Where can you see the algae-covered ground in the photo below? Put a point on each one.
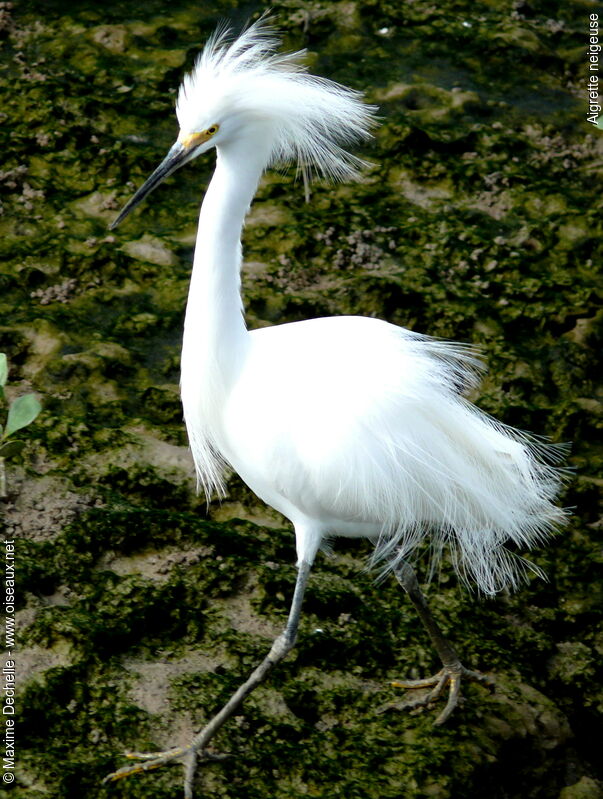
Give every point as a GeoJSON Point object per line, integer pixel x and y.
{"type": "Point", "coordinates": [479, 219]}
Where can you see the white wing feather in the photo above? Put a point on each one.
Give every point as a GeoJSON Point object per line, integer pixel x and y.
{"type": "Point", "coordinates": [388, 444]}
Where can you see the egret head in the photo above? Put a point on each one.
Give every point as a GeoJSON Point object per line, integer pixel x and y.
{"type": "Point", "coordinates": [242, 90]}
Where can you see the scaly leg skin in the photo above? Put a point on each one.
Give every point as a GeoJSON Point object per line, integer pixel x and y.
{"type": "Point", "coordinates": [453, 670]}
{"type": "Point", "coordinates": [196, 752]}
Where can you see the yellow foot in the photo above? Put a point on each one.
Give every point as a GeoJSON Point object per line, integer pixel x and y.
{"type": "Point", "coordinates": [151, 760]}
{"type": "Point", "coordinates": [447, 677]}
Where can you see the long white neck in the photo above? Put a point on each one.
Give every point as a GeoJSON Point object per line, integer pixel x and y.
{"type": "Point", "coordinates": [216, 340]}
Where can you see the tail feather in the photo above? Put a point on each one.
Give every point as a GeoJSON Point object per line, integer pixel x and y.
{"type": "Point", "coordinates": [488, 500]}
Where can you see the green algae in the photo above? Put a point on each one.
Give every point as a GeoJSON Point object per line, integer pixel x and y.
{"type": "Point", "coordinates": [478, 219]}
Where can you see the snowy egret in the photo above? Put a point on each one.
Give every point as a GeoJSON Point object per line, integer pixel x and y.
{"type": "Point", "coordinates": [349, 426]}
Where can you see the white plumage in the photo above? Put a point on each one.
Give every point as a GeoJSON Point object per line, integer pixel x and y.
{"type": "Point", "coordinates": [351, 426]}
{"type": "Point", "coordinates": [348, 425]}
{"type": "Point", "coordinates": [306, 119]}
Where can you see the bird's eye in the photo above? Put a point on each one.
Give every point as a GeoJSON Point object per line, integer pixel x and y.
{"type": "Point", "coordinates": [212, 130]}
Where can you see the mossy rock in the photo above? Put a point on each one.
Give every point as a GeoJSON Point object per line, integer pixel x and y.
{"type": "Point", "coordinates": [478, 219]}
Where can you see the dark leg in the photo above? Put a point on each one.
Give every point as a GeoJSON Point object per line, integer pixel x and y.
{"type": "Point", "coordinates": [452, 671]}
{"type": "Point", "coordinates": [195, 750]}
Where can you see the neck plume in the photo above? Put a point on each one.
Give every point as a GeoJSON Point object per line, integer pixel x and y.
{"type": "Point", "coordinates": [216, 340]}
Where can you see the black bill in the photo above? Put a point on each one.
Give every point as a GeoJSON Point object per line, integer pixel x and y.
{"type": "Point", "coordinates": [177, 156]}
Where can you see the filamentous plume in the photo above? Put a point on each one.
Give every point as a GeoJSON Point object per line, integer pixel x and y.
{"type": "Point", "coordinates": [349, 426]}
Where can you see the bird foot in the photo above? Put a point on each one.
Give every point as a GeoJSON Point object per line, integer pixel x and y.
{"type": "Point", "coordinates": [191, 756]}
{"type": "Point", "coordinates": [448, 677]}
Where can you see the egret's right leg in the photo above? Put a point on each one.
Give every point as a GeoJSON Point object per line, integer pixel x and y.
{"type": "Point", "coordinates": [196, 749]}
{"type": "Point", "coordinates": [452, 670]}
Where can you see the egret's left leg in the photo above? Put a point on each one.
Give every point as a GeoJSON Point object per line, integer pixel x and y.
{"type": "Point", "coordinates": [452, 670]}
{"type": "Point", "coordinates": [196, 749]}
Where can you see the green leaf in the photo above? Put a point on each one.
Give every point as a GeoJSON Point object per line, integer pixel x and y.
{"type": "Point", "coordinates": [3, 369]}
{"type": "Point", "coordinates": [21, 413]}
{"type": "Point", "coordinates": [11, 448]}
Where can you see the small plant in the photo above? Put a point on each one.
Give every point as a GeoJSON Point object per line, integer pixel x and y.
{"type": "Point", "coordinates": [21, 412]}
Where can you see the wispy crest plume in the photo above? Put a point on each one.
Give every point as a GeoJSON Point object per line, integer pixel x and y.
{"type": "Point", "coordinates": [311, 119]}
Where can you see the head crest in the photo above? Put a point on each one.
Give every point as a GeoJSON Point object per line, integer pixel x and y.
{"type": "Point", "coordinates": [311, 120]}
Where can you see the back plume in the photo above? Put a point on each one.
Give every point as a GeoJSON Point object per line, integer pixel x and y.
{"type": "Point", "coordinates": [311, 120]}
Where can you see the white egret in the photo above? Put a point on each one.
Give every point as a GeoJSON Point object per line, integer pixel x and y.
{"type": "Point", "coordinates": [349, 426]}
